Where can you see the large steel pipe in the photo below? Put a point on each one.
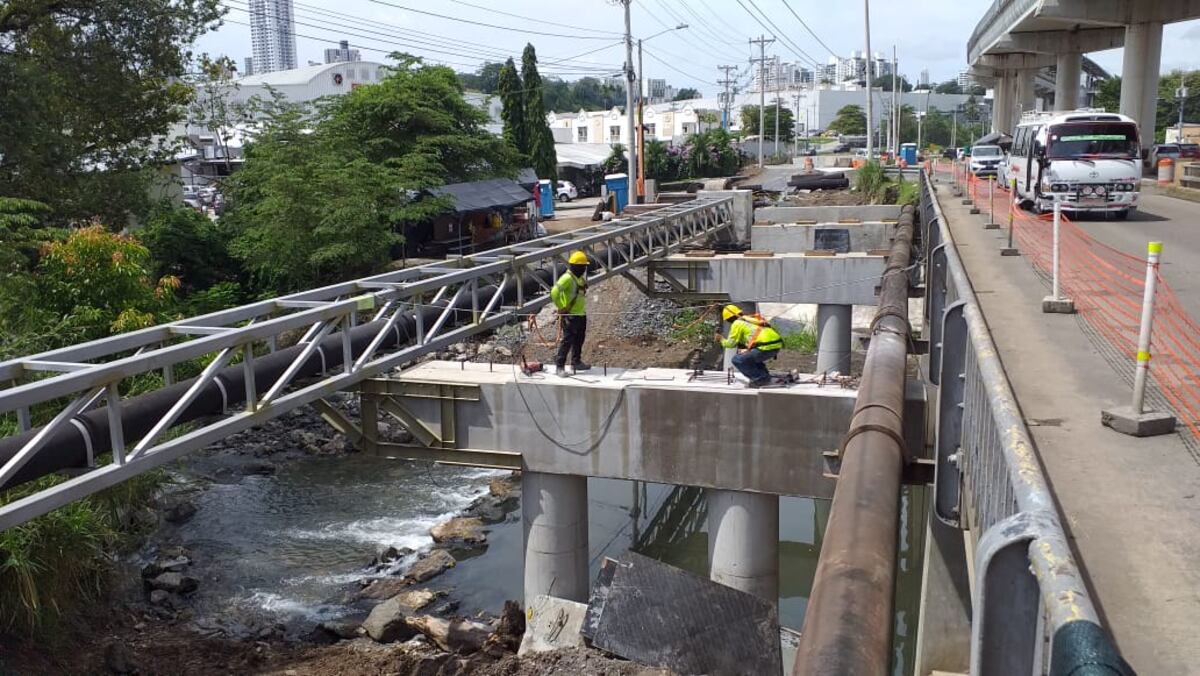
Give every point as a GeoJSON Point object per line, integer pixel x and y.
{"type": "Point", "coordinates": [848, 624]}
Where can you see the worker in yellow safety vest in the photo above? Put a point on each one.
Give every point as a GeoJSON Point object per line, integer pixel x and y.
{"type": "Point", "coordinates": [757, 343]}
{"type": "Point", "coordinates": [570, 297]}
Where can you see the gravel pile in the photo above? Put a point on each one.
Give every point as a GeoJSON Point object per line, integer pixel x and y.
{"type": "Point", "coordinates": [647, 317]}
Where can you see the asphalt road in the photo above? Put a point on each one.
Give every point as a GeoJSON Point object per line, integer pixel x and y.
{"type": "Point", "coordinates": [1175, 223]}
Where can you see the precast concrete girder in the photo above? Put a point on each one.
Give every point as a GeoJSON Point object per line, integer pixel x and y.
{"type": "Point", "coordinates": [826, 215]}
{"type": "Point", "coordinates": [802, 237]}
{"type": "Point", "coordinates": [843, 279]}
{"type": "Point", "coordinates": [658, 425]}
{"type": "Point", "coordinates": [1061, 41]}
{"type": "Point", "coordinates": [1117, 12]}
{"type": "Point", "coordinates": [1016, 61]}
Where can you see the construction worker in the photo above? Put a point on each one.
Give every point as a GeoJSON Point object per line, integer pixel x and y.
{"type": "Point", "coordinates": [756, 341]}
{"type": "Point", "coordinates": [570, 297]}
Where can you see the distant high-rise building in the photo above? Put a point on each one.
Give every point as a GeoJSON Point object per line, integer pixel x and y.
{"type": "Point", "coordinates": [272, 35]}
{"type": "Point", "coordinates": [249, 69]}
{"type": "Point", "coordinates": [923, 79]}
{"type": "Point", "coordinates": [656, 90]}
{"type": "Point", "coordinates": [342, 53]}
{"type": "Point", "coordinates": [965, 79]}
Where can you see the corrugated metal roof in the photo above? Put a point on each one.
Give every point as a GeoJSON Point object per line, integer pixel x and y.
{"type": "Point", "coordinates": [484, 195]}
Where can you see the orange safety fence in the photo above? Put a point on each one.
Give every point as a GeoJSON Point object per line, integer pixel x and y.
{"type": "Point", "coordinates": [1107, 286]}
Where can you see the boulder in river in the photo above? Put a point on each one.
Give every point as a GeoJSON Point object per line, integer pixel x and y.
{"type": "Point", "coordinates": [456, 636]}
{"type": "Point", "coordinates": [177, 583]}
{"type": "Point", "coordinates": [387, 621]}
{"type": "Point", "coordinates": [505, 487]}
{"type": "Point", "coordinates": [460, 529]}
{"type": "Point", "coordinates": [179, 511]}
{"type": "Point", "coordinates": [433, 564]}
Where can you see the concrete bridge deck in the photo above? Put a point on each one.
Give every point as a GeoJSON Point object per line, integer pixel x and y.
{"type": "Point", "coordinates": [1131, 506]}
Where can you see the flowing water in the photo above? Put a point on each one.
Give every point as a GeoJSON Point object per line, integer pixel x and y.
{"type": "Point", "coordinates": [289, 548]}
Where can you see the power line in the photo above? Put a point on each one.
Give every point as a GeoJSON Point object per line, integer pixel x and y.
{"type": "Point", "coordinates": [664, 24]}
{"type": "Point", "coordinates": [681, 72]}
{"type": "Point", "coordinates": [767, 26]}
{"type": "Point", "coordinates": [810, 31]}
{"type": "Point", "coordinates": [488, 25]}
{"type": "Point", "coordinates": [538, 19]}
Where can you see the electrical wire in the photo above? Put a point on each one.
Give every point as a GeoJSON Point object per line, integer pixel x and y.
{"type": "Point", "coordinates": [767, 26]}
{"type": "Point", "coordinates": [677, 70]}
{"type": "Point", "coordinates": [810, 31]}
{"type": "Point", "coordinates": [675, 33]}
{"type": "Point", "coordinates": [539, 20]}
{"type": "Point", "coordinates": [489, 25]}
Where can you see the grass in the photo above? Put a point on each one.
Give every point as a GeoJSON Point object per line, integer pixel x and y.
{"type": "Point", "coordinates": [803, 341]}
{"type": "Point", "coordinates": [693, 325]}
{"type": "Point", "coordinates": [872, 182]}
{"type": "Point", "coordinates": [58, 562]}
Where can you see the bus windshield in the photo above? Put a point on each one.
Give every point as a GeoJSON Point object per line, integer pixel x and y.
{"type": "Point", "coordinates": [1089, 140]}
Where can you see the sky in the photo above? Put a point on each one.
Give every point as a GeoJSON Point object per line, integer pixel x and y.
{"type": "Point", "coordinates": [577, 38]}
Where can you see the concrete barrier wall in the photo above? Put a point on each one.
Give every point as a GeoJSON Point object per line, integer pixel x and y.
{"type": "Point", "coordinates": [828, 215]}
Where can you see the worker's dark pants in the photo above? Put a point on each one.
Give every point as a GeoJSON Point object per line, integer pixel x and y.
{"type": "Point", "coordinates": [753, 363]}
{"type": "Point", "coordinates": [574, 330]}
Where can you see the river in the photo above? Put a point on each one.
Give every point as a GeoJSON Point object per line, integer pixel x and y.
{"type": "Point", "coordinates": [290, 547]}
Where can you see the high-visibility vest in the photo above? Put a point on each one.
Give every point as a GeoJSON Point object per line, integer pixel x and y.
{"type": "Point", "coordinates": [762, 335]}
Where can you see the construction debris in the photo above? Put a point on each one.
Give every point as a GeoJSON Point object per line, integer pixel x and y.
{"type": "Point", "coordinates": [552, 624]}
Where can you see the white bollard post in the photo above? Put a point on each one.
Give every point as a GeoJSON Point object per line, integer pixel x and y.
{"type": "Point", "coordinates": [1136, 420]}
{"type": "Point", "coordinates": [1055, 303]}
{"type": "Point", "coordinates": [1154, 251]}
{"type": "Point", "coordinates": [991, 222]}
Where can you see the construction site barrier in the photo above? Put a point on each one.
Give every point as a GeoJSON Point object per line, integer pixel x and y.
{"type": "Point", "coordinates": [1027, 591]}
{"type": "Point", "coordinates": [1107, 286]}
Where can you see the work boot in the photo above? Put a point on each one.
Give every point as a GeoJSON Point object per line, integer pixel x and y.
{"type": "Point", "coordinates": [762, 382]}
{"type": "Point", "coordinates": [561, 371]}
{"type": "Point", "coordinates": [581, 367]}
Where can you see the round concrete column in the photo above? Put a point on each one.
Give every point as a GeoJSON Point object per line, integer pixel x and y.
{"type": "Point", "coordinates": [1066, 81]}
{"type": "Point", "coordinates": [1002, 104]}
{"type": "Point", "coordinates": [743, 541]}
{"type": "Point", "coordinates": [833, 338]}
{"type": "Point", "coordinates": [1026, 96]}
{"type": "Point", "coordinates": [554, 510]}
{"type": "Point", "coordinates": [1139, 75]}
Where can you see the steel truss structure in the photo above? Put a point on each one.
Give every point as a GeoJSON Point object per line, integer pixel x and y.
{"type": "Point", "coordinates": [352, 331]}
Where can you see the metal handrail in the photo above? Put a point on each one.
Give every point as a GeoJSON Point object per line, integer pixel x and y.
{"type": "Point", "coordinates": [990, 480]}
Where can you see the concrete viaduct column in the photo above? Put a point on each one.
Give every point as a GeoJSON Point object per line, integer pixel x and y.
{"type": "Point", "coordinates": [743, 541]}
{"type": "Point", "coordinates": [833, 338]}
{"type": "Point", "coordinates": [1139, 75]}
{"type": "Point", "coordinates": [1002, 104]}
{"type": "Point", "coordinates": [1026, 96]}
{"type": "Point", "coordinates": [554, 510]}
{"type": "Point", "coordinates": [1066, 82]}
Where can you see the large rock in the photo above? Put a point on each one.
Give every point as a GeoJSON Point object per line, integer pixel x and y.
{"type": "Point", "coordinates": [177, 583]}
{"type": "Point", "coordinates": [457, 636]}
{"type": "Point", "coordinates": [460, 529]}
{"type": "Point", "coordinates": [432, 565]}
{"type": "Point", "coordinates": [507, 637]}
{"type": "Point", "coordinates": [342, 629]}
{"type": "Point", "coordinates": [179, 511]}
{"type": "Point", "coordinates": [386, 623]}
{"type": "Point", "coordinates": [505, 487]}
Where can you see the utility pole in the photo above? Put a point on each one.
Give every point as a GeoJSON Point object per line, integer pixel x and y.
{"type": "Point", "coordinates": [894, 118]}
{"type": "Point", "coordinates": [1181, 94]}
{"type": "Point", "coordinates": [641, 131]}
{"type": "Point", "coordinates": [795, 134]}
{"type": "Point", "coordinates": [870, 103]}
{"type": "Point", "coordinates": [954, 130]}
{"type": "Point", "coordinates": [775, 68]}
{"type": "Point", "coordinates": [630, 80]}
{"type": "Point", "coordinates": [762, 43]}
{"type": "Point", "coordinates": [727, 101]}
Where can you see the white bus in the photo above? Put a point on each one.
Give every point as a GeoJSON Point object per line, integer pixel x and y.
{"type": "Point", "coordinates": [1087, 159]}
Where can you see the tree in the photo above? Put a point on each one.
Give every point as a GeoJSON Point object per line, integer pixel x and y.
{"type": "Point", "coordinates": [187, 244]}
{"type": "Point", "coordinates": [616, 162]}
{"type": "Point", "coordinates": [1108, 94]}
{"type": "Point", "coordinates": [850, 120]}
{"type": "Point", "coordinates": [687, 93]}
{"type": "Point", "coordinates": [86, 87]}
{"type": "Point", "coordinates": [213, 108]}
{"type": "Point", "coordinates": [486, 79]}
{"type": "Point", "coordinates": [885, 83]}
{"type": "Point", "coordinates": [710, 153]}
{"type": "Point", "coordinates": [948, 87]}
{"type": "Point", "coordinates": [328, 186]}
{"type": "Point", "coordinates": [787, 125]}
{"type": "Point", "coordinates": [512, 108]}
{"type": "Point", "coordinates": [541, 139]}
{"type": "Point", "coordinates": [1168, 104]}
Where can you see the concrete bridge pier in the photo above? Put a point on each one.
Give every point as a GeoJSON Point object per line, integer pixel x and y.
{"type": "Point", "coordinates": [1066, 81]}
{"type": "Point", "coordinates": [1002, 104]}
{"type": "Point", "coordinates": [1026, 95]}
{"type": "Point", "coordinates": [554, 510]}
{"type": "Point", "coordinates": [1139, 75]}
{"type": "Point", "coordinates": [743, 541]}
{"type": "Point", "coordinates": [833, 338]}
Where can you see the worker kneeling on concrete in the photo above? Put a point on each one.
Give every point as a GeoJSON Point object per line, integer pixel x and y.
{"type": "Point", "coordinates": [570, 297]}
{"type": "Point", "coordinates": [757, 343]}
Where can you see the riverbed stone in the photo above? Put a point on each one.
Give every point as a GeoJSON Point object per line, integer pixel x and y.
{"type": "Point", "coordinates": [160, 597]}
{"type": "Point", "coordinates": [175, 582]}
{"type": "Point", "coordinates": [381, 589]}
{"type": "Point", "coordinates": [433, 564]}
{"type": "Point", "coordinates": [505, 487]}
{"type": "Point", "coordinates": [258, 468]}
{"type": "Point", "coordinates": [386, 623]}
{"type": "Point", "coordinates": [456, 636]}
{"type": "Point", "coordinates": [460, 529]}
{"type": "Point", "coordinates": [179, 511]}
{"type": "Point", "coordinates": [343, 629]}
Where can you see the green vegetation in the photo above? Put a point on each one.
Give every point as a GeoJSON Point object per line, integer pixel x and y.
{"type": "Point", "coordinates": [803, 341]}
{"type": "Point", "coordinates": [687, 93]}
{"type": "Point", "coordinates": [787, 125]}
{"type": "Point", "coordinates": [1108, 96]}
{"type": "Point", "coordinates": [873, 183]}
{"type": "Point", "coordinates": [693, 325]}
{"type": "Point", "coordinates": [849, 120]}
{"type": "Point", "coordinates": [523, 111]}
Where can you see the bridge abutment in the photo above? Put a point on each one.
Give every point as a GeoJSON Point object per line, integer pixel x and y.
{"type": "Point", "coordinates": [554, 511]}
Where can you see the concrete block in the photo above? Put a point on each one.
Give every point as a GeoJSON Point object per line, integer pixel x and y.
{"type": "Point", "coordinates": [991, 226]}
{"type": "Point", "coordinates": [552, 624]}
{"type": "Point", "coordinates": [1006, 251]}
{"type": "Point", "coordinates": [1146, 424]}
{"type": "Point", "coordinates": [1062, 306]}
{"type": "Point", "coordinates": [743, 209]}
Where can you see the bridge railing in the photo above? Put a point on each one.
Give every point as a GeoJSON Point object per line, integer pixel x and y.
{"type": "Point", "coordinates": [1028, 590]}
{"type": "Point", "coordinates": [250, 367]}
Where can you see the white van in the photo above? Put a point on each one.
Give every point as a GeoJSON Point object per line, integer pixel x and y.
{"type": "Point", "coordinates": [1087, 159]}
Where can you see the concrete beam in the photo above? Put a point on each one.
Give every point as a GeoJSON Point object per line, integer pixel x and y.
{"type": "Point", "coordinates": [1016, 61]}
{"type": "Point", "coordinates": [651, 425]}
{"type": "Point", "coordinates": [1117, 12]}
{"type": "Point", "coordinates": [826, 215]}
{"type": "Point", "coordinates": [844, 279]}
{"type": "Point", "coordinates": [798, 238]}
{"type": "Point", "coordinates": [1062, 41]}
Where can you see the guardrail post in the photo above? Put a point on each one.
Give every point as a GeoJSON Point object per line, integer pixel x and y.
{"type": "Point", "coordinates": [1135, 420]}
{"type": "Point", "coordinates": [1055, 303]}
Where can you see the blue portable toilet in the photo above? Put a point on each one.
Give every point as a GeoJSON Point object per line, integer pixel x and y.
{"type": "Point", "coordinates": [908, 153]}
{"type": "Point", "coordinates": [547, 198]}
{"type": "Point", "coordinates": [618, 184]}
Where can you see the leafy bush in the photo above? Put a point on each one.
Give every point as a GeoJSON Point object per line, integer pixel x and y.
{"type": "Point", "coordinates": [803, 341]}
{"type": "Point", "coordinates": [187, 244]}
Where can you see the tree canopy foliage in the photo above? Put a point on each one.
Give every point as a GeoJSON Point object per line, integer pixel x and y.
{"type": "Point", "coordinates": [687, 93]}
{"type": "Point", "coordinates": [541, 139]}
{"type": "Point", "coordinates": [787, 125]}
{"type": "Point", "coordinates": [84, 87]}
{"type": "Point", "coordinates": [850, 120]}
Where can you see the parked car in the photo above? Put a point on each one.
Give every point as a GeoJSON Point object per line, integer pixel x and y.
{"type": "Point", "coordinates": [566, 191]}
{"type": "Point", "coordinates": [1162, 151]}
{"type": "Point", "coordinates": [841, 148]}
{"type": "Point", "coordinates": [950, 153]}
{"type": "Point", "coordinates": [1189, 151]}
{"type": "Point", "coordinates": [985, 160]}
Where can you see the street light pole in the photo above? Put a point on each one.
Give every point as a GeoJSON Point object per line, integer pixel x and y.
{"type": "Point", "coordinates": [630, 78]}
{"type": "Point", "coordinates": [870, 106]}
{"type": "Point", "coordinates": [762, 43]}
{"type": "Point", "coordinates": [641, 123]}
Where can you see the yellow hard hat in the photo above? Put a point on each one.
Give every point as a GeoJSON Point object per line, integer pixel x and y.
{"type": "Point", "coordinates": [578, 258]}
{"type": "Point", "coordinates": [729, 312]}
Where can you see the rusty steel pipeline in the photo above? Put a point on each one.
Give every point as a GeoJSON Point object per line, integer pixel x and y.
{"type": "Point", "coordinates": [848, 624]}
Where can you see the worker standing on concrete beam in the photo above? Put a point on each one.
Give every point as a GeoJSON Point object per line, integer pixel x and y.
{"type": "Point", "coordinates": [757, 343]}
{"type": "Point", "coordinates": [570, 297]}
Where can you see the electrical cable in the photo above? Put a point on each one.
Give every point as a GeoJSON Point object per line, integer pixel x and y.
{"type": "Point", "coordinates": [810, 31]}
{"type": "Point", "coordinates": [488, 25]}
{"type": "Point", "coordinates": [540, 20]}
